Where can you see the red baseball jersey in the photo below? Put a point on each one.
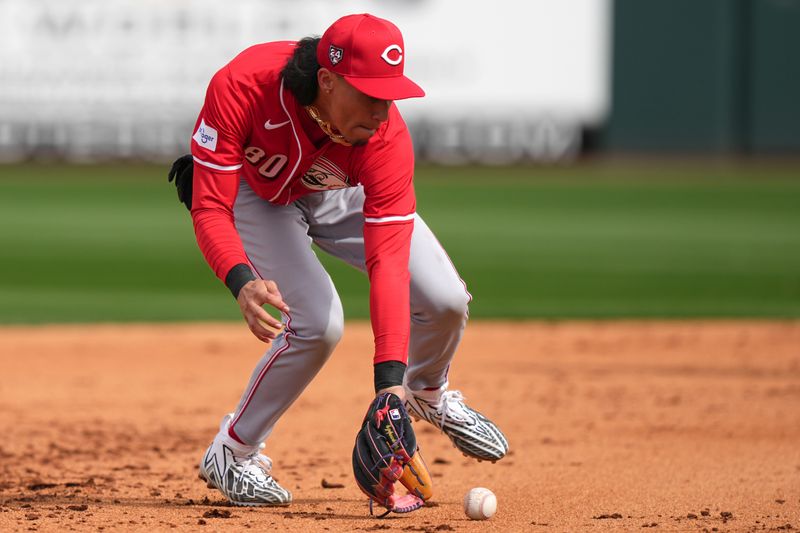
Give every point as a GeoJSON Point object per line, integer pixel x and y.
{"type": "Point", "coordinates": [252, 127]}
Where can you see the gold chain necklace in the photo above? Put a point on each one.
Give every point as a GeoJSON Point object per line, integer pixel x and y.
{"type": "Point", "coordinates": [313, 112]}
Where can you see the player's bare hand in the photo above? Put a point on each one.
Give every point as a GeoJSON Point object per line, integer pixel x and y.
{"type": "Point", "coordinates": [252, 297]}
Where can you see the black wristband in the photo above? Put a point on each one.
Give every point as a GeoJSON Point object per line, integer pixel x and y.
{"type": "Point", "coordinates": [238, 277]}
{"type": "Point", "coordinates": [389, 374]}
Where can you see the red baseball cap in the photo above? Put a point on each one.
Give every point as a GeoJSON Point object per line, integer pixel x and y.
{"type": "Point", "coordinates": [369, 53]}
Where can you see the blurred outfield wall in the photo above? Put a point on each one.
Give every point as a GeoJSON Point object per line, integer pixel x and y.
{"type": "Point", "coordinates": [104, 79]}
{"type": "Point", "coordinates": [716, 76]}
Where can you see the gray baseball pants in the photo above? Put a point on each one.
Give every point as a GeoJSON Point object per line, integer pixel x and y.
{"type": "Point", "coordinates": [277, 240]}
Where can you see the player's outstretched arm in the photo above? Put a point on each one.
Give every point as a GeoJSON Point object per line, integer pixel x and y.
{"type": "Point", "coordinates": [252, 297]}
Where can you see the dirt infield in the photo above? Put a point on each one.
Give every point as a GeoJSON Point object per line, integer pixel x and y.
{"type": "Point", "coordinates": [613, 426]}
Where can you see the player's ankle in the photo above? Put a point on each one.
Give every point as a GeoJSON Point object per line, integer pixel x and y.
{"type": "Point", "coordinates": [429, 394]}
{"type": "Point", "coordinates": [239, 448]}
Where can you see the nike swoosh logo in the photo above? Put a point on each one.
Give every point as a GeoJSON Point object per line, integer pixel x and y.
{"type": "Point", "coordinates": [269, 126]}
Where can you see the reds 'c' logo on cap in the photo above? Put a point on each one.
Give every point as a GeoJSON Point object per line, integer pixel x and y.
{"type": "Point", "coordinates": [369, 53]}
{"type": "Point", "coordinates": [335, 54]}
{"type": "Point", "coordinates": [393, 54]}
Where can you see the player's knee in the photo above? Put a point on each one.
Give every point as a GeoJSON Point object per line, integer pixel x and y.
{"type": "Point", "coordinates": [450, 307]}
{"type": "Point", "coordinates": [324, 330]}
{"type": "Point", "coordinates": [332, 333]}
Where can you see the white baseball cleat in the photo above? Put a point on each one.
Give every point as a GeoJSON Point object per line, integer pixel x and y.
{"type": "Point", "coordinates": [472, 433]}
{"type": "Point", "coordinates": [240, 472]}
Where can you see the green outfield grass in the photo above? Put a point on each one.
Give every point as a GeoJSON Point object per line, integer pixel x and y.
{"type": "Point", "coordinates": [109, 243]}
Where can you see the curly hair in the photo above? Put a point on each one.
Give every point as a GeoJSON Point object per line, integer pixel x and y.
{"type": "Point", "coordinates": [300, 73]}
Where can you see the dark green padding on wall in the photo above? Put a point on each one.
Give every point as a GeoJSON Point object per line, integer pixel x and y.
{"type": "Point", "coordinates": [775, 81]}
{"type": "Point", "coordinates": [718, 76]}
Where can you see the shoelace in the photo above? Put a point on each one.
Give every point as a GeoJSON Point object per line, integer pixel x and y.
{"type": "Point", "coordinates": [266, 461]}
{"type": "Point", "coordinates": [450, 405]}
{"type": "Point", "coordinates": [254, 466]}
{"type": "Point", "coordinates": [257, 465]}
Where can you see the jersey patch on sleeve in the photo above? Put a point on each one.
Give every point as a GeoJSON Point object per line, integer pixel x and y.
{"type": "Point", "coordinates": [206, 136]}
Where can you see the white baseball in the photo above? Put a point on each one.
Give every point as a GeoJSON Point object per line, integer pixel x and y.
{"type": "Point", "coordinates": [480, 503]}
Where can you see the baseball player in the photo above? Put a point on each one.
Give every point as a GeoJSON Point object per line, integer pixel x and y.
{"type": "Point", "coordinates": [300, 142]}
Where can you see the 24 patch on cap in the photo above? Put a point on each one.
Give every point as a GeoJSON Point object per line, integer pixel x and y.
{"type": "Point", "coordinates": [335, 54]}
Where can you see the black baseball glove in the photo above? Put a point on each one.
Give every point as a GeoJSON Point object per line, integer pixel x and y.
{"type": "Point", "coordinates": [181, 173]}
{"type": "Point", "coordinates": [386, 452]}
